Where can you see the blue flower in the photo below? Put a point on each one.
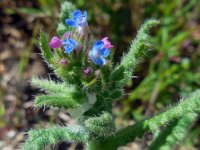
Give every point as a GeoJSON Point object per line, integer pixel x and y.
{"type": "Point", "coordinates": [79, 19]}
{"type": "Point", "coordinates": [98, 53]}
{"type": "Point", "coordinates": [69, 45]}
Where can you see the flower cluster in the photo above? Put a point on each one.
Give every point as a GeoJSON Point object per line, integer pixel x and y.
{"type": "Point", "coordinates": [97, 53]}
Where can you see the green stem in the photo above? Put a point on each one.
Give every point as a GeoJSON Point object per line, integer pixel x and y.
{"type": "Point", "coordinates": [122, 137]}
{"type": "Point", "coordinates": [94, 145]}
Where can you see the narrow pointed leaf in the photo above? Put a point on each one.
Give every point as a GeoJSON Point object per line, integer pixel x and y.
{"type": "Point", "coordinates": [39, 139]}
{"type": "Point", "coordinates": [45, 49]}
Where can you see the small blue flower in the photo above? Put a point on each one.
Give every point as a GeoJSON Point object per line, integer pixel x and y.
{"type": "Point", "coordinates": [69, 45]}
{"type": "Point", "coordinates": [98, 53]}
{"type": "Point", "coordinates": [79, 19]}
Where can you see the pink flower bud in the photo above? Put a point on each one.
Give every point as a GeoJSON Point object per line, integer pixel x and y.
{"type": "Point", "coordinates": [87, 71]}
{"type": "Point", "coordinates": [107, 43]}
{"type": "Point", "coordinates": [55, 42]}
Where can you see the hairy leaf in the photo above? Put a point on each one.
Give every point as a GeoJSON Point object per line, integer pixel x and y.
{"type": "Point", "coordinates": [38, 139]}
{"type": "Point", "coordinates": [46, 51]}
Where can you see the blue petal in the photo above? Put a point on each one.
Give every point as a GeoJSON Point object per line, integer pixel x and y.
{"type": "Point", "coordinates": [98, 45]}
{"type": "Point", "coordinates": [97, 60]}
{"type": "Point", "coordinates": [90, 54]}
{"type": "Point", "coordinates": [65, 41]}
{"type": "Point", "coordinates": [76, 14]}
{"type": "Point", "coordinates": [104, 52]}
{"type": "Point", "coordinates": [68, 49]}
{"type": "Point", "coordinates": [92, 57]}
{"type": "Point", "coordinates": [73, 42]}
{"type": "Point", "coordinates": [81, 21]}
{"type": "Point", "coordinates": [69, 45]}
{"type": "Point", "coordinates": [85, 13]}
{"type": "Point", "coordinates": [100, 61]}
{"type": "Point", "coordinates": [71, 23]}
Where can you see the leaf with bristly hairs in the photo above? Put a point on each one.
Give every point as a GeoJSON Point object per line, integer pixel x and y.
{"type": "Point", "coordinates": [39, 139]}
{"type": "Point", "coordinates": [45, 49]}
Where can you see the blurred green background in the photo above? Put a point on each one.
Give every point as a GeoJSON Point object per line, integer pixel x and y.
{"type": "Point", "coordinates": [170, 71]}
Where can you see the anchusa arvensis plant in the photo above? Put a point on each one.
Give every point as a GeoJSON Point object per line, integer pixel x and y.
{"type": "Point", "coordinates": [91, 83]}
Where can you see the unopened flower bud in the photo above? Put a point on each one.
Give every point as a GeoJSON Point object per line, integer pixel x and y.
{"type": "Point", "coordinates": [63, 61]}
{"type": "Point", "coordinates": [87, 71]}
{"type": "Point", "coordinates": [97, 73]}
{"type": "Point", "coordinates": [107, 43]}
{"type": "Point", "coordinates": [67, 35]}
{"type": "Point", "coordinates": [55, 42]}
{"type": "Point", "coordinates": [79, 47]}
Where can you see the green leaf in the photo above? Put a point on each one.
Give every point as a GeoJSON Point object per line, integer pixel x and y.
{"type": "Point", "coordinates": [101, 126]}
{"type": "Point", "coordinates": [60, 101]}
{"type": "Point", "coordinates": [62, 95]}
{"type": "Point", "coordinates": [38, 139]}
{"type": "Point", "coordinates": [52, 86]}
{"type": "Point", "coordinates": [173, 133]}
{"type": "Point", "coordinates": [46, 51]}
{"type": "Point", "coordinates": [190, 104]}
{"type": "Point", "coordinates": [139, 48]}
{"type": "Point", "coordinates": [187, 105]}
